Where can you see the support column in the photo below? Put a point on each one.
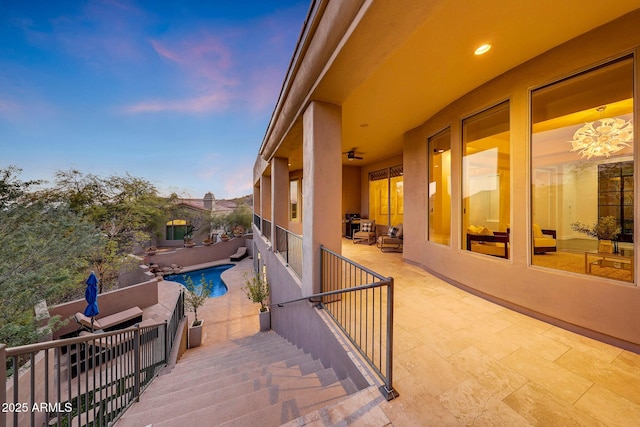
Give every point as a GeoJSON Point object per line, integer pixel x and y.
{"type": "Point", "coordinates": [279, 195]}
{"type": "Point", "coordinates": [322, 189]}
{"type": "Point", "coordinates": [265, 203]}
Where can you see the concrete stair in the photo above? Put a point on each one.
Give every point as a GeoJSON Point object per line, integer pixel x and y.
{"type": "Point", "coordinates": [259, 380]}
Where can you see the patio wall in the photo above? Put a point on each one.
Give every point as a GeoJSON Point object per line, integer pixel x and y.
{"type": "Point", "coordinates": [200, 254]}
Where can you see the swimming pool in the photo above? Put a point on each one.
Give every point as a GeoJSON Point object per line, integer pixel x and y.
{"type": "Point", "coordinates": [210, 274]}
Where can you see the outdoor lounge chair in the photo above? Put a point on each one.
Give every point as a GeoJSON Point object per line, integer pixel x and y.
{"type": "Point", "coordinates": [367, 232]}
{"type": "Point", "coordinates": [119, 320]}
{"type": "Point", "coordinates": [240, 254]}
{"type": "Point", "coordinates": [392, 241]}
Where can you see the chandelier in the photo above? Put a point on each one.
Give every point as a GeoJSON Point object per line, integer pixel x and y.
{"type": "Point", "coordinates": [602, 137]}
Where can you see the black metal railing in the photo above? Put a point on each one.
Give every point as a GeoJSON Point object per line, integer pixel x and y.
{"type": "Point", "coordinates": [88, 380]}
{"type": "Point", "coordinates": [289, 245]}
{"type": "Point", "coordinates": [257, 221]}
{"type": "Point", "coordinates": [266, 229]}
{"type": "Point", "coordinates": [361, 303]}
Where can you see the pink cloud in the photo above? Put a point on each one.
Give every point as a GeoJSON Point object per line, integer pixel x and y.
{"type": "Point", "coordinates": [8, 107]}
{"type": "Point", "coordinates": [202, 104]}
{"type": "Point", "coordinates": [201, 56]}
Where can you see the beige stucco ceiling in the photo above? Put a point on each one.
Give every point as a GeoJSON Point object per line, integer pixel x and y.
{"type": "Point", "coordinates": [405, 60]}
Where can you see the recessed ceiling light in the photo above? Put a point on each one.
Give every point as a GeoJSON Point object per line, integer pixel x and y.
{"type": "Point", "coordinates": [483, 49]}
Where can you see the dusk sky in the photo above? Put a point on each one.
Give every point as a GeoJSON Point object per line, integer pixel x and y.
{"type": "Point", "coordinates": [176, 92]}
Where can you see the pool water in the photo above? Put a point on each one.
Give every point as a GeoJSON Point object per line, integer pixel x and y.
{"type": "Point", "coordinates": [210, 274]}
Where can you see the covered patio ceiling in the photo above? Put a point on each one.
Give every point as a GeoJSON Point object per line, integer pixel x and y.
{"type": "Point", "coordinates": [401, 62]}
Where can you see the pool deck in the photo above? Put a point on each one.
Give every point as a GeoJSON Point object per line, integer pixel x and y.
{"type": "Point", "coordinates": [168, 292]}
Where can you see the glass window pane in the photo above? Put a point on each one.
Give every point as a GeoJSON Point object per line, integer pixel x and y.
{"type": "Point", "coordinates": [439, 153]}
{"type": "Point", "coordinates": [582, 172]}
{"type": "Point", "coordinates": [294, 197]}
{"type": "Point", "coordinates": [386, 196]}
{"type": "Point", "coordinates": [486, 181]}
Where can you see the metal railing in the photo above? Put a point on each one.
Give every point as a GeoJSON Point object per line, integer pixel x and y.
{"type": "Point", "coordinates": [266, 229]}
{"type": "Point", "coordinates": [257, 221]}
{"type": "Point", "coordinates": [289, 245]}
{"type": "Point", "coordinates": [361, 303]}
{"type": "Point", "coordinates": [84, 381]}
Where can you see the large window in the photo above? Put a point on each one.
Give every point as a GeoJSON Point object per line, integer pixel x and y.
{"type": "Point", "coordinates": [439, 149]}
{"type": "Point", "coordinates": [582, 173]}
{"type": "Point", "coordinates": [486, 181]}
{"type": "Point", "coordinates": [294, 200]}
{"type": "Point", "coordinates": [386, 196]}
{"type": "Point", "coordinates": [178, 229]}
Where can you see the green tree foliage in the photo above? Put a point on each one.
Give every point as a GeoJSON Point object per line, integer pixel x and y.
{"type": "Point", "coordinates": [42, 248]}
{"type": "Point", "coordinates": [126, 209]}
{"type": "Point", "coordinates": [196, 296]}
{"type": "Point", "coordinates": [240, 219]}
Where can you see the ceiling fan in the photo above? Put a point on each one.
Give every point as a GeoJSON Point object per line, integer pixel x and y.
{"type": "Point", "coordinates": [351, 155]}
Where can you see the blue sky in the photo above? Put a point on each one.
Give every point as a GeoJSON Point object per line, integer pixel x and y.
{"type": "Point", "coordinates": [177, 92]}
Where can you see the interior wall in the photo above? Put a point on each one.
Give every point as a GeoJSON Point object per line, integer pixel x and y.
{"type": "Point", "coordinates": [351, 190]}
{"type": "Point", "coordinates": [594, 304]}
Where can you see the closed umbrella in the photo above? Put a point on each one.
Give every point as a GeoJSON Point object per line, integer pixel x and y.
{"type": "Point", "coordinates": [91, 295]}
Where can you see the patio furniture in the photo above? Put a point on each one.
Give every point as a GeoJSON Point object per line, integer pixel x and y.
{"type": "Point", "coordinates": [367, 232]}
{"type": "Point", "coordinates": [119, 320]}
{"type": "Point", "coordinates": [240, 254]}
{"type": "Point", "coordinates": [392, 241]}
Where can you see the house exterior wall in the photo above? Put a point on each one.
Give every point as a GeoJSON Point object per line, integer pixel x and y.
{"type": "Point", "coordinates": [600, 307]}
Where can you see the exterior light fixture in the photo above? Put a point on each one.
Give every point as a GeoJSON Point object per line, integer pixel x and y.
{"type": "Point", "coordinates": [482, 49]}
{"type": "Point", "coordinates": [603, 137]}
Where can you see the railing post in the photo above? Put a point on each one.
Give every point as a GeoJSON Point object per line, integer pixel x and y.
{"type": "Point", "coordinates": [388, 391]}
{"type": "Point", "coordinates": [136, 363]}
{"type": "Point", "coordinates": [3, 389]}
{"type": "Point", "coordinates": [166, 341]}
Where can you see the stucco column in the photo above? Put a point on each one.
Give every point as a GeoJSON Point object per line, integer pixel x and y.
{"type": "Point", "coordinates": [279, 194]}
{"type": "Point", "coordinates": [321, 189]}
{"type": "Point", "coordinates": [265, 197]}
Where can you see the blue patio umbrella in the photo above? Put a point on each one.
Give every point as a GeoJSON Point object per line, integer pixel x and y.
{"type": "Point", "coordinates": [91, 295]}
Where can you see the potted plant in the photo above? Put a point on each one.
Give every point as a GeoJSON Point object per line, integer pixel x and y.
{"type": "Point", "coordinates": [188, 242]}
{"type": "Point", "coordinates": [257, 290]}
{"type": "Point", "coordinates": [605, 230]}
{"type": "Point", "coordinates": [194, 298]}
{"type": "Point", "coordinates": [238, 231]}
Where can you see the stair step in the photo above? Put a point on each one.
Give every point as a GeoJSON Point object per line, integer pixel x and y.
{"type": "Point", "coordinates": [272, 415]}
{"type": "Point", "coordinates": [259, 380]}
{"type": "Point", "coordinates": [227, 386]}
{"type": "Point", "coordinates": [290, 359]}
{"type": "Point", "coordinates": [230, 361]}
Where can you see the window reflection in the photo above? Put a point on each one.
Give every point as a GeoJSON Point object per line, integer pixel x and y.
{"type": "Point", "coordinates": [584, 181]}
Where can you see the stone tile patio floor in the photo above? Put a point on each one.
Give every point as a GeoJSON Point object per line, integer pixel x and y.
{"type": "Point", "coordinates": [461, 360]}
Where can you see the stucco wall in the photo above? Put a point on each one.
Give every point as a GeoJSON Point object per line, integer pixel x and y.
{"type": "Point", "coordinates": [199, 254]}
{"type": "Point", "coordinates": [597, 305]}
